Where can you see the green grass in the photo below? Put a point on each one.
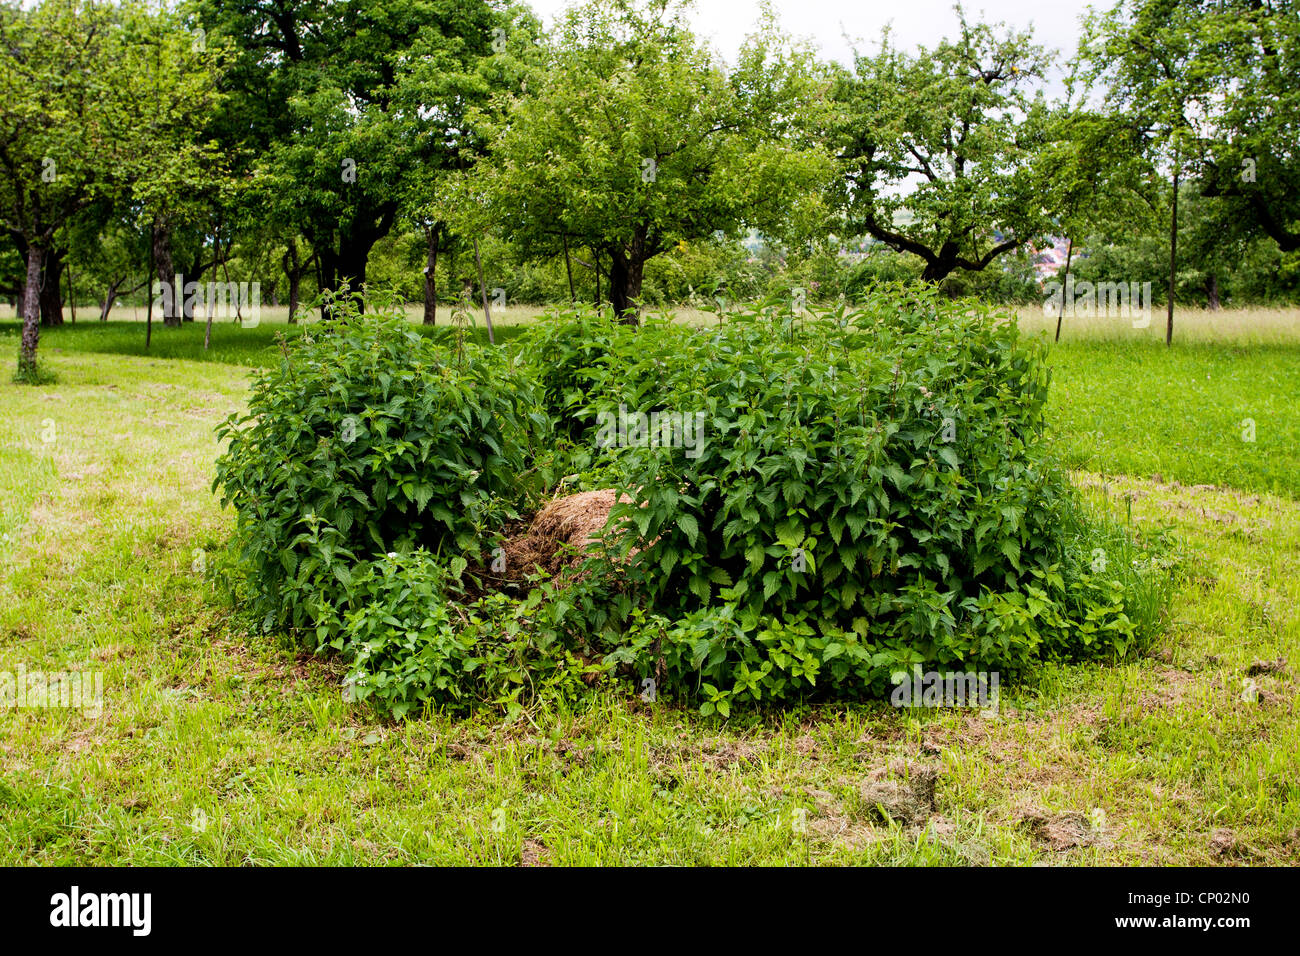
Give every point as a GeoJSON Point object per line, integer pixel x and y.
{"type": "Point", "coordinates": [217, 748]}
{"type": "Point", "coordinates": [231, 344]}
{"type": "Point", "coordinates": [1183, 413]}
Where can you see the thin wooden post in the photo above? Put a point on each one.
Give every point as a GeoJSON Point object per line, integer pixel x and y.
{"type": "Point", "coordinates": [482, 286]}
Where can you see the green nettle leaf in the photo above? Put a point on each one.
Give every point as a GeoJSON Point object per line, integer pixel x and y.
{"type": "Point", "coordinates": [689, 526]}
{"type": "Point", "coordinates": [790, 534]}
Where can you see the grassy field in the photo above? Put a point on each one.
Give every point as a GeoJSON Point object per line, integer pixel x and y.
{"type": "Point", "coordinates": [214, 748]}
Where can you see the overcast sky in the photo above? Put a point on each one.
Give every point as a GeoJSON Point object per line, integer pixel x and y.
{"type": "Point", "coordinates": [915, 22]}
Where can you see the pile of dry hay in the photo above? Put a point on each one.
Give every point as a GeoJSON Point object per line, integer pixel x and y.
{"type": "Point", "coordinates": [557, 538]}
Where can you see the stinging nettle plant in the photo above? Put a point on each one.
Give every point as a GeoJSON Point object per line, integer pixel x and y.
{"type": "Point", "coordinates": [874, 493]}
{"type": "Point", "coordinates": [370, 438]}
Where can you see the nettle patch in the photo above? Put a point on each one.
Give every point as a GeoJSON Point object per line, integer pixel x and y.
{"type": "Point", "coordinates": [799, 506]}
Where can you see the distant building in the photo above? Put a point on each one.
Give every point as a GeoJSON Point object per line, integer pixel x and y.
{"type": "Point", "coordinates": [1049, 260]}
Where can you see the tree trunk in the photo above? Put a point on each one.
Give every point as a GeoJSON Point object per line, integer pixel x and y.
{"type": "Point", "coordinates": [148, 292]}
{"type": "Point", "coordinates": [568, 270]}
{"type": "Point", "coordinates": [51, 291]}
{"type": "Point", "coordinates": [294, 280]}
{"type": "Point", "coordinates": [595, 261]}
{"type": "Point", "coordinates": [625, 273]}
{"type": "Point", "coordinates": [1173, 259]}
{"type": "Point", "coordinates": [347, 265]}
{"type": "Point", "coordinates": [164, 268]}
{"type": "Point", "coordinates": [107, 305]}
{"type": "Point", "coordinates": [31, 313]}
{"type": "Point", "coordinates": [293, 270]}
{"type": "Point", "coordinates": [185, 303]}
{"type": "Point", "coordinates": [431, 277]}
{"type": "Point", "coordinates": [1212, 291]}
{"type": "Point", "coordinates": [934, 272]}
{"type": "Point", "coordinates": [1065, 280]}
{"type": "Point", "coordinates": [207, 330]}
{"type": "Point", "coordinates": [451, 267]}
{"type": "Point", "coordinates": [941, 265]}
{"type": "Point", "coordinates": [194, 274]}
{"type": "Point", "coordinates": [320, 280]}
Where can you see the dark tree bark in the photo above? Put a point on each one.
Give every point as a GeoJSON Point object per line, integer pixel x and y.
{"type": "Point", "coordinates": [1212, 291]}
{"type": "Point", "coordinates": [106, 305]}
{"type": "Point", "coordinates": [320, 280]}
{"type": "Point", "coordinates": [568, 270]}
{"type": "Point", "coordinates": [343, 258]}
{"type": "Point", "coordinates": [31, 311]}
{"type": "Point", "coordinates": [941, 263]}
{"type": "Point", "coordinates": [194, 273]}
{"type": "Point", "coordinates": [164, 269]}
{"type": "Point", "coordinates": [625, 274]}
{"type": "Point", "coordinates": [294, 269]}
{"type": "Point", "coordinates": [487, 310]}
{"type": "Point", "coordinates": [148, 294]}
{"type": "Point", "coordinates": [51, 292]}
{"type": "Point", "coordinates": [626, 270]}
{"type": "Point", "coordinates": [451, 267]}
{"type": "Point", "coordinates": [207, 328]}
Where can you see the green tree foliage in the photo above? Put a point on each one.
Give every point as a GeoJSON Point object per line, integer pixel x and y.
{"type": "Point", "coordinates": [938, 149]}
{"type": "Point", "coordinates": [96, 101]}
{"type": "Point", "coordinates": [1250, 158]}
{"type": "Point", "coordinates": [631, 137]}
{"type": "Point", "coordinates": [344, 105]}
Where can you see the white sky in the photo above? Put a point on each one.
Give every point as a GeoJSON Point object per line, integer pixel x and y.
{"type": "Point", "coordinates": [915, 22]}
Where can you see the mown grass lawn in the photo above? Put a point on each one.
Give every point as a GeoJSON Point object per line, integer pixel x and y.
{"type": "Point", "coordinates": [216, 748]}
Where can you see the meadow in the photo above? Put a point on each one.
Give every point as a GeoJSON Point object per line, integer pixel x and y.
{"type": "Point", "coordinates": [215, 747]}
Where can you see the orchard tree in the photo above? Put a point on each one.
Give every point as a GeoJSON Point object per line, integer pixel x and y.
{"type": "Point", "coordinates": [1094, 178]}
{"type": "Point", "coordinates": [938, 149]}
{"type": "Point", "coordinates": [428, 206]}
{"type": "Point", "coordinates": [108, 250]}
{"type": "Point", "coordinates": [341, 105]}
{"type": "Point", "coordinates": [631, 137]}
{"type": "Point", "coordinates": [1154, 60]}
{"type": "Point", "coordinates": [90, 93]}
{"type": "Point", "coordinates": [1252, 155]}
